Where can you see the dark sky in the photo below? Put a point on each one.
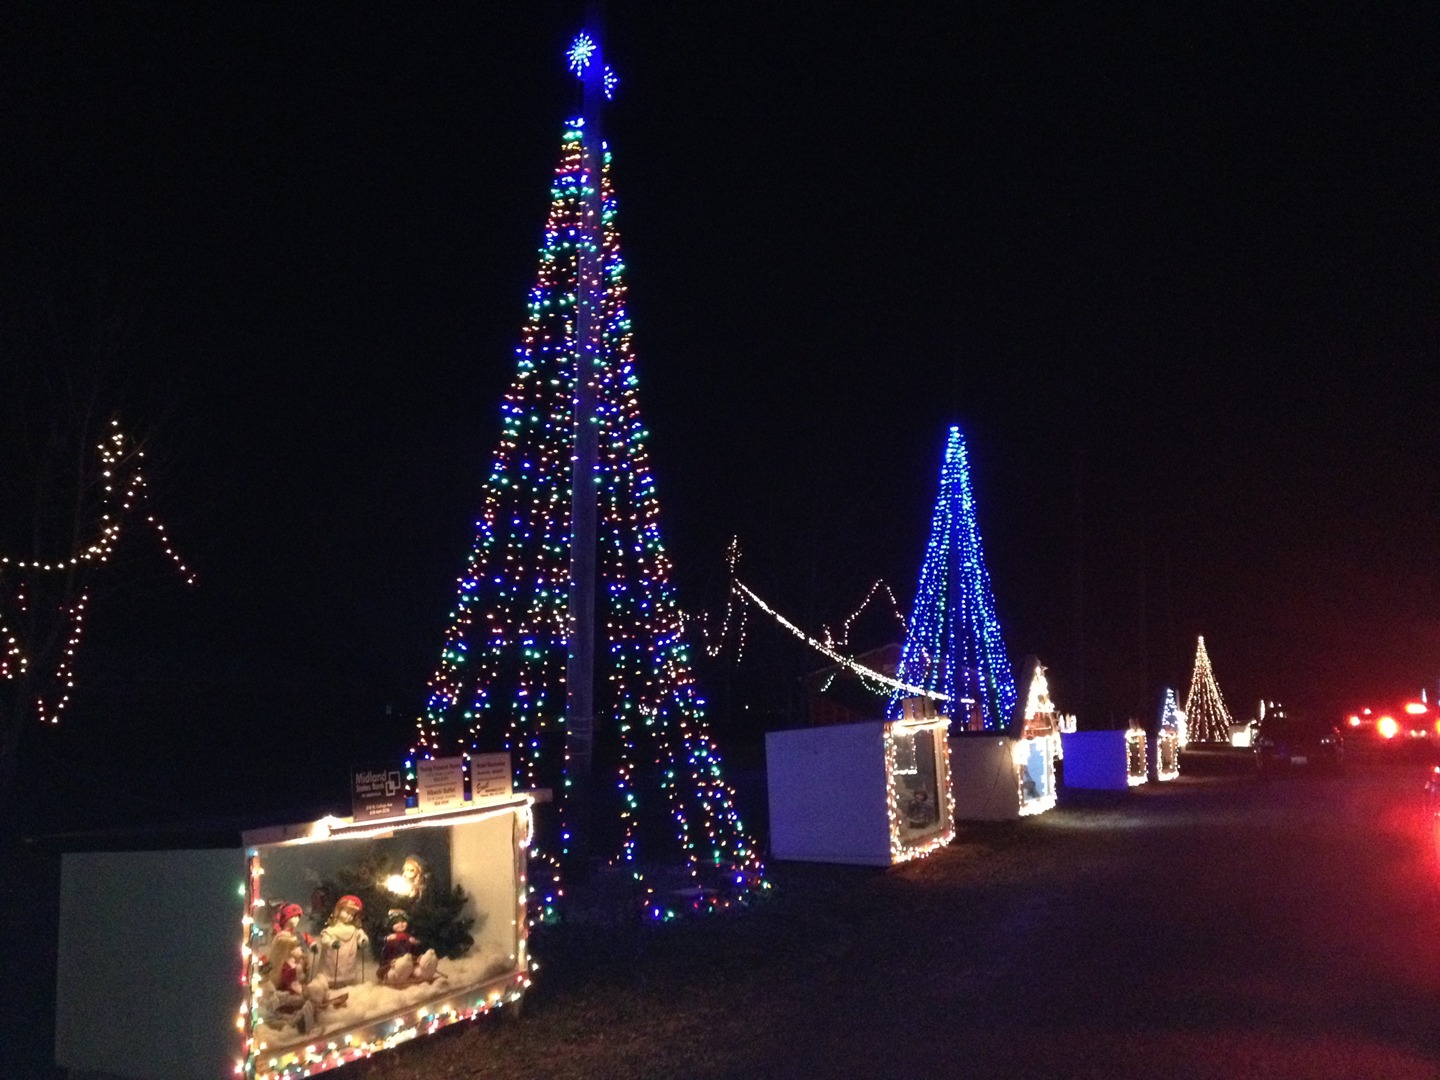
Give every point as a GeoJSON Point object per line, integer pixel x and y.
{"type": "Point", "coordinates": [1175, 274]}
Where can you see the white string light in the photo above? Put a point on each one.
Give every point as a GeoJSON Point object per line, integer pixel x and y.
{"type": "Point", "coordinates": [839, 658]}
{"type": "Point", "coordinates": [116, 455]}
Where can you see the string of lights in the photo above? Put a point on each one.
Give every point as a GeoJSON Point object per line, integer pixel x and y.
{"type": "Point", "coordinates": [22, 581]}
{"type": "Point", "coordinates": [844, 661]}
{"type": "Point", "coordinates": [501, 679]}
{"type": "Point", "coordinates": [953, 643]}
{"type": "Point", "coordinates": [843, 640]}
{"type": "Point", "coordinates": [1207, 718]}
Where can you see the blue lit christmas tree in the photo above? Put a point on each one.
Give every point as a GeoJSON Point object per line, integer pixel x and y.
{"type": "Point", "coordinates": [567, 556]}
{"type": "Point", "coordinates": [953, 644]}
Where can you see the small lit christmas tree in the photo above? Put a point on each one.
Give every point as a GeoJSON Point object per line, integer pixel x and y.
{"type": "Point", "coordinates": [953, 643]}
{"type": "Point", "coordinates": [508, 677]}
{"type": "Point", "coordinates": [1207, 718]}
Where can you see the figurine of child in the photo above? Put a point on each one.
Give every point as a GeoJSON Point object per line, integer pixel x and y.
{"type": "Point", "coordinates": [287, 937]}
{"type": "Point", "coordinates": [339, 953]}
{"type": "Point", "coordinates": [401, 961]}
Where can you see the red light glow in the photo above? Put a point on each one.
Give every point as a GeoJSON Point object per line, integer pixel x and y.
{"type": "Point", "coordinates": [1387, 727]}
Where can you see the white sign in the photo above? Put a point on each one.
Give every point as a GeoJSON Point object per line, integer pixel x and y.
{"type": "Point", "coordinates": [489, 775]}
{"type": "Point", "coordinates": [440, 783]}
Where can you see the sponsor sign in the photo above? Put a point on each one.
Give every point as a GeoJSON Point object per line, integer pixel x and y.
{"type": "Point", "coordinates": [376, 791]}
{"type": "Point", "coordinates": [440, 783]}
{"type": "Point", "coordinates": [489, 775]}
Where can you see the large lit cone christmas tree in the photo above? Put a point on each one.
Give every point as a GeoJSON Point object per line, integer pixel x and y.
{"type": "Point", "coordinates": [953, 645]}
{"type": "Point", "coordinates": [624, 747]}
{"type": "Point", "coordinates": [1208, 720]}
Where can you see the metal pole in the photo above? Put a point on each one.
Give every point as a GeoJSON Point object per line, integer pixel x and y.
{"type": "Point", "coordinates": [577, 809]}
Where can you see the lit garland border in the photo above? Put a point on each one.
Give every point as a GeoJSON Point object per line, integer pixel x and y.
{"type": "Point", "coordinates": [1049, 752]}
{"type": "Point", "coordinates": [899, 851]}
{"type": "Point", "coordinates": [1137, 769]}
{"type": "Point", "coordinates": [410, 1023]}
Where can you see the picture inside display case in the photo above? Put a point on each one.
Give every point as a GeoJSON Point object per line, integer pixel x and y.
{"type": "Point", "coordinates": [921, 812]}
{"type": "Point", "coordinates": [1035, 772]}
{"type": "Point", "coordinates": [354, 937]}
{"type": "Point", "coordinates": [917, 790]}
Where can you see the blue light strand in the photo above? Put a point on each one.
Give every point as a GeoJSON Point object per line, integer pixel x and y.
{"type": "Point", "coordinates": [953, 642]}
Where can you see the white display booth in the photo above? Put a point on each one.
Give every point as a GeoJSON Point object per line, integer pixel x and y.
{"type": "Point", "coordinates": [234, 960]}
{"type": "Point", "coordinates": [997, 778]}
{"type": "Point", "coordinates": [1000, 777]}
{"type": "Point", "coordinates": [1105, 760]}
{"type": "Point", "coordinates": [874, 793]}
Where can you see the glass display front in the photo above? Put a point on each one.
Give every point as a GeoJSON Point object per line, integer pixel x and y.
{"type": "Point", "coordinates": [348, 933]}
{"type": "Point", "coordinates": [918, 793]}
{"type": "Point", "coordinates": [1035, 772]}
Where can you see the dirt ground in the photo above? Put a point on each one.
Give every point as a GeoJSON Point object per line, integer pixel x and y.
{"type": "Point", "coordinates": [1217, 926]}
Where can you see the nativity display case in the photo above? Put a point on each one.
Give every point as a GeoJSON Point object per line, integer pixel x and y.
{"type": "Point", "coordinates": [286, 952]}
{"type": "Point", "coordinates": [874, 793]}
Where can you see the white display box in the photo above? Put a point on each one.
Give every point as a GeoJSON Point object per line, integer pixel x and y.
{"type": "Point", "coordinates": [999, 778]}
{"type": "Point", "coordinates": [164, 968]}
{"type": "Point", "coordinates": [1104, 760]}
{"type": "Point", "coordinates": [874, 793]}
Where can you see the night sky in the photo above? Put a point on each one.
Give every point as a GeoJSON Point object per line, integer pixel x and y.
{"type": "Point", "coordinates": [1174, 273]}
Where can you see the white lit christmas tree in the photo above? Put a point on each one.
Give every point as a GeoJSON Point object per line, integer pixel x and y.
{"type": "Point", "coordinates": [1207, 718]}
{"type": "Point", "coordinates": [568, 556]}
{"type": "Point", "coordinates": [953, 644]}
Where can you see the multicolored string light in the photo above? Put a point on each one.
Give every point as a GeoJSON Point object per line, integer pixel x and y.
{"type": "Point", "coordinates": [500, 683]}
{"type": "Point", "coordinates": [1207, 718]}
{"type": "Point", "coordinates": [953, 644]}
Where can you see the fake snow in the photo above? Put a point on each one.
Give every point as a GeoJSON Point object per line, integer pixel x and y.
{"type": "Point", "coordinates": [370, 1001]}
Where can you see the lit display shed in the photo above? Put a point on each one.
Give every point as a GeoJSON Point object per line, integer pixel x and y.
{"type": "Point", "coordinates": [1106, 760]}
{"type": "Point", "coordinates": [287, 952]}
{"type": "Point", "coordinates": [1001, 776]}
{"type": "Point", "coordinates": [873, 793]}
